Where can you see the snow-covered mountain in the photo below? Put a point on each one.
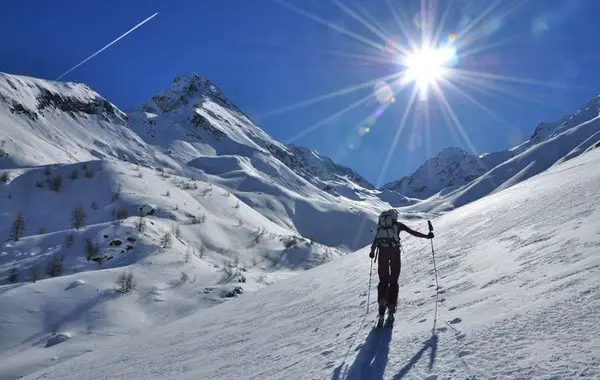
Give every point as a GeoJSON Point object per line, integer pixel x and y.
{"type": "Point", "coordinates": [518, 299]}
{"type": "Point", "coordinates": [189, 129]}
{"type": "Point", "coordinates": [452, 167]}
{"type": "Point", "coordinates": [44, 122]}
{"type": "Point", "coordinates": [194, 110]}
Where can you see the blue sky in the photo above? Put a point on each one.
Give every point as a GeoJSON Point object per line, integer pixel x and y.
{"type": "Point", "coordinates": [265, 56]}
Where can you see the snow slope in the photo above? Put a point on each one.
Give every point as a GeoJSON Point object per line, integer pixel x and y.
{"type": "Point", "coordinates": [221, 249]}
{"type": "Point", "coordinates": [519, 298]}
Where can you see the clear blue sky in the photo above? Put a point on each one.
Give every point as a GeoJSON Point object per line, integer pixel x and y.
{"type": "Point", "coordinates": [265, 56]}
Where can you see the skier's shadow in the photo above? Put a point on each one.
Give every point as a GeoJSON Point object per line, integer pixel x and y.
{"type": "Point", "coordinates": [372, 359]}
{"type": "Point", "coordinates": [432, 343]}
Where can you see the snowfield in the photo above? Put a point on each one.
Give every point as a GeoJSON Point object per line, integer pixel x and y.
{"type": "Point", "coordinates": [519, 298]}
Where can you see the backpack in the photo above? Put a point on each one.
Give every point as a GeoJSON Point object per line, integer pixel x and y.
{"type": "Point", "coordinates": [387, 234]}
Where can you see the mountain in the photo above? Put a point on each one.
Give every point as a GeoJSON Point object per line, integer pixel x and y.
{"type": "Point", "coordinates": [518, 298]}
{"type": "Point", "coordinates": [46, 122]}
{"type": "Point", "coordinates": [189, 129]}
{"type": "Point", "coordinates": [454, 171]}
{"type": "Point", "coordinates": [204, 116]}
{"type": "Point", "coordinates": [209, 138]}
{"type": "Point", "coordinates": [451, 167]}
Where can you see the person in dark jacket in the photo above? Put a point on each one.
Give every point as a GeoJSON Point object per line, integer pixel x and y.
{"type": "Point", "coordinates": [389, 270]}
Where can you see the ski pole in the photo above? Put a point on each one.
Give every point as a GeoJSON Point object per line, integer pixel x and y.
{"type": "Point", "coordinates": [369, 290]}
{"type": "Point", "coordinates": [433, 254]}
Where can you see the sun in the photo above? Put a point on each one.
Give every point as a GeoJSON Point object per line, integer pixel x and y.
{"type": "Point", "coordinates": [427, 65]}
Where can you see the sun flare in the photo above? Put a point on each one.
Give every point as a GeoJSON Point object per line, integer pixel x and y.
{"type": "Point", "coordinates": [427, 65]}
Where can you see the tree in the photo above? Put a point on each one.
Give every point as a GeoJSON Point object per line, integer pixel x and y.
{"type": "Point", "coordinates": [177, 231]}
{"type": "Point", "coordinates": [166, 240]}
{"type": "Point", "coordinates": [56, 183]}
{"type": "Point", "coordinates": [70, 240]}
{"type": "Point", "coordinates": [125, 282]}
{"type": "Point", "coordinates": [18, 227]}
{"type": "Point", "coordinates": [117, 194]}
{"type": "Point", "coordinates": [4, 177]}
{"type": "Point", "coordinates": [140, 225]}
{"type": "Point", "coordinates": [34, 273]}
{"type": "Point", "coordinates": [13, 275]}
{"type": "Point", "coordinates": [55, 266]}
{"type": "Point", "coordinates": [78, 217]}
{"type": "Point", "coordinates": [91, 249]}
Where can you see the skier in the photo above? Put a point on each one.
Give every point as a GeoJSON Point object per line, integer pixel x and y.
{"type": "Point", "coordinates": [387, 240]}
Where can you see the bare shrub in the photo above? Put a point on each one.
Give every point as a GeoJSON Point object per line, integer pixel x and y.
{"type": "Point", "coordinates": [78, 217]}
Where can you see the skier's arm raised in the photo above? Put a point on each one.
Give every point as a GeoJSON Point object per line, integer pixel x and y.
{"type": "Point", "coordinates": [404, 227]}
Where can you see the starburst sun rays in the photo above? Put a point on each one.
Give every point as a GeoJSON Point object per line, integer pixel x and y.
{"type": "Point", "coordinates": [428, 63]}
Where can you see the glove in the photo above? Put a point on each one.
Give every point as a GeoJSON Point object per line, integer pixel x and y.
{"type": "Point", "coordinates": [372, 254]}
{"type": "Point", "coordinates": [430, 235]}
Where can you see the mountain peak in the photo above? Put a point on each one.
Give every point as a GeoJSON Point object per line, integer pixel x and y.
{"type": "Point", "coordinates": [451, 167]}
{"type": "Point", "coordinates": [184, 90]}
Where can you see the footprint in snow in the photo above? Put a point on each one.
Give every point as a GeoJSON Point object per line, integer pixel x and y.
{"type": "Point", "coordinates": [327, 352]}
{"type": "Point", "coordinates": [463, 353]}
{"type": "Point", "coordinates": [442, 329]}
{"type": "Point", "coordinates": [461, 336]}
{"type": "Point", "coordinates": [422, 320]}
{"type": "Point", "coordinates": [431, 377]}
{"type": "Point", "coordinates": [348, 325]}
{"type": "Point", "coordinates": [452, 308]}
{"type": "Point", "coordinates": [455, 321]}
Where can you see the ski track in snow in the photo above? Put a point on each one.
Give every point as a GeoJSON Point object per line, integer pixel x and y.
{"type": "Point", "coordinates": [519, 298]}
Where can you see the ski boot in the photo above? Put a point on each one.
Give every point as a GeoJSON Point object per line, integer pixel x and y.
{"type": "Point", "coordinates": [380, 317]}
{"type": "Point", "coordinates": [389, 322]}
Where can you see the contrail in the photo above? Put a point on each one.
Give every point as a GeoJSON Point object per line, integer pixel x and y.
{"type": "Point", "coordinates": [107, 46]}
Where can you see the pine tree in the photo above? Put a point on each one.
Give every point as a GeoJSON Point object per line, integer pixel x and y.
{"type": "Point", "coordinates": [18, 227]}
{"type": "Point", "coordinates": [13, 275]}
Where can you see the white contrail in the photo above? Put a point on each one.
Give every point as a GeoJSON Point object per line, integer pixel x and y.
{"type": "Point", "coordinates": [107, 46]}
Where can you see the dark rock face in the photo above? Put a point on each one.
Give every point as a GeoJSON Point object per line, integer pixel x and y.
{"type": "Point", "coordinates": [202, 123]}
{"type": "Point", "coordinates": [50, 100]}
{"type": "Point", "coordinates": [20, 109]}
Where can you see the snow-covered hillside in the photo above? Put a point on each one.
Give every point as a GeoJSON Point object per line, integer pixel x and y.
{"type": "Point", "coordinates": [228, 213]}
{"type": "Point", "coordinates": [518, 298]}
{"type": "Point", "coordinates": [197, 245]}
